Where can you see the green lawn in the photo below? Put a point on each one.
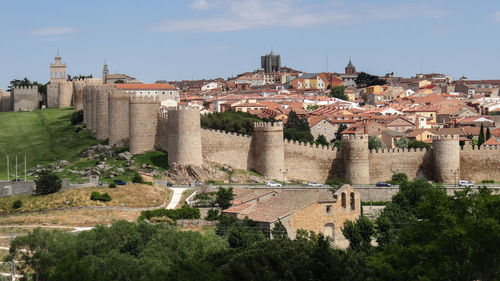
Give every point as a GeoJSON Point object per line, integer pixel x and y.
{"type": "Point", "coordinates": [44, 136]}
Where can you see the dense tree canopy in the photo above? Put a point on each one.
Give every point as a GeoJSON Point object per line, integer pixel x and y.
{"type": "Point", "coordinates": [230, 121]}
{"type": "Point", "coordinates": [423, 234]}
{"type": "Point", "coordinates": [365, 80]}
{"type": "Point", "coordinates": [338, 92]}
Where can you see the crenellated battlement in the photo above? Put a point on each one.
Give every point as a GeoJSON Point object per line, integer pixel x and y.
{"type": "Point", "coordinates": [355, 137]}
{"type": "Point", "coordinates": [446, 138]}
{"type": "Point", "coordinates": [398, 150]}
{"type": "Point", "coordinates": [182, 108]}
{"type": "Point", "coordinates": [310, 145]}
{"type": "Point", "coordinates": [228, 133]}
{"type": "Point", "coordinates": [118, 95]}
{"type": "Point", "coordinates": [163, 115]}
{"type": "Point", "coordinates": [143, 100]}
{"type": "Point", "coordinates": [480, 148]}
{"type": "Point", "coordinates": [26, 88]}
{"type": "Point", "coordinates": [258, 125]}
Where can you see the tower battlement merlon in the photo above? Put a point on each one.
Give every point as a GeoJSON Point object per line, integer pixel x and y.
{"type": "Point", "coordinates": [446, 137]}
{"type": "Point", "coordinates": [144, 100]}
{"type": "Point", "coordinates": [278, 125]}
{"type": "Point", "coordinates": [24, 88]}
{"type": "Point", "coordinates": [182, 108]}
{"type": "Point", "coordinates": [355, 137]}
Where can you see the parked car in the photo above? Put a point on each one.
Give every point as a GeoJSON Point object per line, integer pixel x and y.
{"type": "Point", "coordinates": [315, 184]}
{"type": "Point", "coordinates": [169, 184]}
{"type": "Point", "coordinates": [273, 184]}
{"type": "Point", "coordinates": [120, 182]}
{"type": "Point", "coordinates": [197, 183]}
{"type": "Point", "coordinates": [464, 183]}
{"type": "Point", "coordinates": [381, 183]}
{"type": "Point", "coordinates": [16, 180]}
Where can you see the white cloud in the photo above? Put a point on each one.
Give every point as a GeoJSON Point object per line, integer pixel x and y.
{"type": "Point", "coordinates": [496, 16]}
{"type": "Point", "coordinates": [255, 14]}
{"type": "Point", "coordinates": [54, 30]}
{"type": "Point", "coordinates": [200, 5]}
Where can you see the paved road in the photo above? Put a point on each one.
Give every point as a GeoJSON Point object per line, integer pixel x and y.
{"type": "Point", "coordinates": [176, 197]}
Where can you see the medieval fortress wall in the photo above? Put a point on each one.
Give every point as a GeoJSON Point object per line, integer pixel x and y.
{"type": "Point", "coordinates": [24, 98]}
{"type": "Point", "coordinates": [120, 117]}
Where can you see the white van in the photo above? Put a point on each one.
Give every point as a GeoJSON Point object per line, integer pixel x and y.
{"type": "Point", "coordinates": [463, 183]}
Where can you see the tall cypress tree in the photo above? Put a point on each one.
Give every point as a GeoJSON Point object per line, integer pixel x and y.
{"type": "Point", "coordinates": [488, 134]}
{"type": "Point", "coordinates": [480, 140]}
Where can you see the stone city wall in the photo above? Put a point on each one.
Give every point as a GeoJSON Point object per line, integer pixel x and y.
{"type": "Point", "coordinates": [480, 164]}
{"type": "Point", "coordinates": [52, 95]}
{"type": "Point", "coordinates": [308, 162]}
{"type": "Point", "coordinates": [227, 148]}
{"type": "Point", "coordinates": [415, 163]}
{"type": "Point", "coordinates": [24, 98]}
{"type": "Point", "coordinates": [65, 97]}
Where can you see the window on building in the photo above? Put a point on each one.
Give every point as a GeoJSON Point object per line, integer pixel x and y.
{"type": "Point", "coordinates": [353, 201]}
{"type": "Point", "coordinates": [343, 200]}
{"type": "Point", "coordinates": [328, 209]}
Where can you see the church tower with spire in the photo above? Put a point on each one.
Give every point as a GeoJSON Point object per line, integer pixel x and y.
{"type": "Point", "coordinates": [105, 72]}
{"type": "Point", "coordinates": [57, 70]}
{"type": "Point", "coordinates": [350, 69]}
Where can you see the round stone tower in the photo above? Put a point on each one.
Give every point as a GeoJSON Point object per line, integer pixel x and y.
{"type": "Point", "coordinates": [446, 156]}
{"type": "Point", "coordinates": [269, 149]}
{"type": "Point", "coordinates": [118, 118]}
{"type": "Point", "coordinates": [78, 86]}
{"type": "Point", "coordinates": [356, 157]}
{"type": "Point", "coordinates": [184, 136]}
{"type": "Point", "coordinates": [143, 117]}
{"type": "Point", "coordinates": [87, 107]}
{"type": "Point", "coordinates": [102, 112]}
{"type": "Point", "coordinates": [95, 91]}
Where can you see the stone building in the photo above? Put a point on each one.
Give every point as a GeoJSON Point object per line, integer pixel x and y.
{"type": "Point", "coordinates": [115, 78]}
{"type": "Point", "coordinates": [311, 210]}
{"type": "Point", "coordinates": [59, 91]}
{"type": "Point", "coordinates": [24, 98]}
{"type": "Point", "coordinates": [271, 62]}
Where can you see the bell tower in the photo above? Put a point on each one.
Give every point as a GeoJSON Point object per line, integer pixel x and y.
{"type": "Point", "coordinates": [57, 70]}
{"type": "Point", "coordinates": [105, 72]}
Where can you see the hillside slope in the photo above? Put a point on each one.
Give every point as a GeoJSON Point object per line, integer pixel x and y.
{"type": "Point", "coordinates": [43, 136]}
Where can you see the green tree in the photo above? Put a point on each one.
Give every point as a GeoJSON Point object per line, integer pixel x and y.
{"type": "Point", "coordinates": [47, 182]}
{"type": "Point", "coordinates": [212, 215]}
{"type": "Point", "coordinates": [401, 142]}
{"type": "Point", "coordinates": [366, 80]}
{"type": "Point", "coordinates": [77, 117]}
{"type": "Point", "coordinates": [341, 128]}
{"type": "Point", "coordinates": [321, 140]}
{"type": "Point", "coordinates": [359, 234]}
{"type": "Point", "coordinates": [375, 142]}
{"type": "Point", "coordinates": [399, 178]}
{"type": "Point", "coordinates": [137, 178]}
{"type": "Point", "coordinates": [338, 92]}
{"type": "Point", "coordinates": [224, 197]}
{"type": "Point", "coordinates": [119, 81]}
{"type": "Point", "coordinates": [418, 144]}
{"type": "Point", "coordinates": [279, 231]}
{"type": "Point", "coordinates": [481, 140]}
{"type": "Point", "coordinates": [488, 133]}
{"type": "Point", "coordinates": [296, 122]}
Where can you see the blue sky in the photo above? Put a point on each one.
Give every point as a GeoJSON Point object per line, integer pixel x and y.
{"type": "Point", "coordinates": [193, 39]}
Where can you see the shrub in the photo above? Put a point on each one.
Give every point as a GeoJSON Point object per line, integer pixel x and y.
{"type": "Point", "coordinates": [224, 197]}
{"type": "Point", "coordinates": [137, 179]}
{"type": "Point", "coordinates": [77, 117]}
{"type": "Point", "coordinates": [212, 215]}
{"type": "Point", "coordinates": [112, 185]}
{"type": "Point", "coordinates": [95, 196]}
{"type": "Point", "coordinates": [487, 181]}
{"type": "Point", "coordinates": [17, 204]}
{"type": "Point", "coordinates": [185, 212]}
{"type": "Point", "coordinates": [47, 182]}
{"type": "Point", "coordinates": [105, 197]}
{"type": "Point", "coordinates": [418, 144]}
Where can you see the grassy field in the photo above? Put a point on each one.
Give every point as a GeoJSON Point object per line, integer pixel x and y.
{"type": "Point", "coordinates": [131, 195]}
{"type": "Point", "coordinates": [44, 136]}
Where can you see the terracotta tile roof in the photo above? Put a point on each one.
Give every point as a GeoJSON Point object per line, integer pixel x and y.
{"type": "Point", "coordinates": [145, 87]}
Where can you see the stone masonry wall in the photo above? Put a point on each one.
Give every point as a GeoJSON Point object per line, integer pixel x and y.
{"type": "Point", "coordinates": [52, 95]}
{"type": "Point", "coordinates": [143, 118]}
{"type": "Point", "coordinates": [65, 94]}
{"type": "Point", "coordinates": [311, 163]}
{"type": "Point", "coordinates": [226, 148]}
{"type": "Point", "coordinates": [480, 164]}
{"type": "Point", "coordinates": [386, 162]}
{"type": "Point", "coordinates": [336, 218]}
{"type": "Point", "coordinates": [24, 98]}
{"type": "Point", "coordinates": [118, 118]}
